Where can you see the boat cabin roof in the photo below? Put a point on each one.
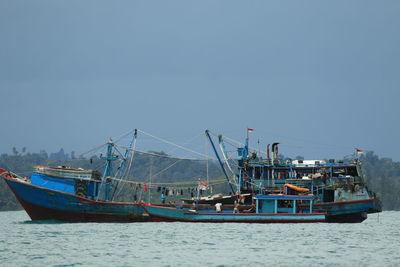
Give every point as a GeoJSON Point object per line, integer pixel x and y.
{"type": "Point", "coordinates": [284, 197]}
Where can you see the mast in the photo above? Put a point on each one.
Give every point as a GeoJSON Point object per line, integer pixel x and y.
{"type": "Point", "coordinates": [122, 164]}
{"type": "Point", "coordinates": [223, 151]}
{"type": "Point", "coordinates": [109, 158]}
{"type": "Point", "coordinates": [219, 160]}
{"type": "Point", "coordinates": [246, 145]}
{"type": "Point", "coordinates": [224, 155]}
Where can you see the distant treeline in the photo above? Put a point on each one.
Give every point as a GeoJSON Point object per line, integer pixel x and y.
{"type": "Point", "coordinates": [383, 177]}
{"type": "Point", "coordinates": [382, 174]}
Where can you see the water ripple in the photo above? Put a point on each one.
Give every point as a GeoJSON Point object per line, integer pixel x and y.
{"type": "Point", "coordinates": [25, 243]}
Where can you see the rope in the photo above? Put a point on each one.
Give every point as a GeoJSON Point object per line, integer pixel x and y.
{"type": "Point", "coordinates": [118, 138]}
{"type": "Point", "coordinates": [164, 156]}
{"type": "Point", "coordinates": [127, 170]}
{"type": "Point", "coordinates": [188, 142]}
{"type": "Point", "coordinates": [167, 167]}
{"type": "Point", "coordinates": [97, 148]}
{"type": "Point", "coordinates": [179, 160]}
{"type": "Point", "coordinates": [171, 143]}
{"type": "Point", "coordinates": [213, 182]}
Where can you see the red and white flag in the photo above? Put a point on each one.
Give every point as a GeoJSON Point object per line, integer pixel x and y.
{"type": "Point", "coordinates": [203, 185]}
{"type": "Point", "coordinates": [250, 130]}
{"type": "Point", "coordinates": [359, 151]}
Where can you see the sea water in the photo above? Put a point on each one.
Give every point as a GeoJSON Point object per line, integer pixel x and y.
{"type": "Point", "coordinates": [374, 242]}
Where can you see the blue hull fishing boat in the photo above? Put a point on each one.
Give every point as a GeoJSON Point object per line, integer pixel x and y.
{"type": "Point", "coordinates": [51, 202]}
{"type": "Point", "coordinates": [267, 209]}
{"type": "Point", "coordinates": [75, 195]}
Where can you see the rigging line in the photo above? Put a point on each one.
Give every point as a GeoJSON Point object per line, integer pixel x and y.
{"type": "Point", "coordinates": [171, 143]}
{"type": "Point", "coordinates": [100, 146]}
{"type": "Point", "coordinates": [119, 152]}
{"type": "Point", "coordinates": [239, 143]}
{"type": "Point", "coordinates": [165, 156]}
{"type": "Point", "coordinates": [229, 139]}
{"type": "Point", "coordinates": [167, 167]}
{"type": "Point", "coordinates": [93, 149]}
{"type": "Point", "coordinates": [189, 141]}
{"type": "Point", "coordinates": [179, 160]}
{"type": "Point", "coordinates": [222, 149]}
{"type": "Point", "coordinates": [250, 148]}
{"type": "Point", "coordinates": [194, 183]}
{"type": "Point", "coordinates": [119, 137]}
{"type": "Point", "coordinates": [206, 152]}
{"type": "Point", "coordinates": [165, 183]}
{"type": "Point", "coordinates": [127, 170]}
{"type": "Point", "coordinates": [232, 141]}
{"type": "Point", "coordinates": [236, 146]}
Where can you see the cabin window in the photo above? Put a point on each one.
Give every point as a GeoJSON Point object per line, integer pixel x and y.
{"type": "Point", "coordinates": [329, 195]}
{"type": "Point", "coordinates": [257, 173]}
{"type": "Point", "coordinates": [285, 204]}
{"type": "Point", "coordinates": [281, 174]}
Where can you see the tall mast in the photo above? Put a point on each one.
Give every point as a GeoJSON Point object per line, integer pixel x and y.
{"type": "Point", "coordinates": [219, 160]}
{"type": "Point", "coordinates": [246, 145]}
{"type": "Point", "coordinates": [122, 165]}
{"type": "Point", "coordinates": [224, 155]}
{"type": "Point", "coordinates": [109, 158]}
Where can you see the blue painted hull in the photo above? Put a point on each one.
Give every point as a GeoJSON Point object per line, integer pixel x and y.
{"type": "Point", "coordinates": [172, 214]}
{"type": "Point", "coordinates": [350, 211]}
{"type": "Point", "coordinates": [46, 204]}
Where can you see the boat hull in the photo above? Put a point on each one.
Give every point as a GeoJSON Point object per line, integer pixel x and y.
{"type": "Point", "coordinates": [350, 211]}
{"type": "Point", "coordinates": [172, 215]}
{"type": "Point", "coordinates": [46, 204]}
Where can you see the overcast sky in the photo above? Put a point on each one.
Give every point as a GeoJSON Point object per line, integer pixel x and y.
{"type": "Point", "coordinates": [321, 77]}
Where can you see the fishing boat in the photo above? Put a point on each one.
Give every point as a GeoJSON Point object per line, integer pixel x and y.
{"type": "Point", "coordinates": [49, 201]}
{"type": "Point", "coordinates": [74, 195]}
{"type": "Point", "coordinates": [338, 187]}
{"type": "Point", "coordinates": [267, 209]}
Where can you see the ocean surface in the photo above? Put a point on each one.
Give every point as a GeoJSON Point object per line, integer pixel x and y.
{"type": "Point", "coordinates": [375, 242]}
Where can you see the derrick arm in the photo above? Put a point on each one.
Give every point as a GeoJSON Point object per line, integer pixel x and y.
{"type": "Point", "coordinates": [219, 160]}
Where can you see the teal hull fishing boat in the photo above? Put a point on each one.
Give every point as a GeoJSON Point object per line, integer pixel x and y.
{"type": "Point", "coordinates": [267, 209]}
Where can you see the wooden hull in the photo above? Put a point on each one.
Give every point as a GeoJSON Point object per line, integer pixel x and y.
{"type": "Point", "coordinates": [159, 213]}
{"type": "Point", "coordinates": [46, 204]}
{"type": "Point", "coordinates": [349, 211]}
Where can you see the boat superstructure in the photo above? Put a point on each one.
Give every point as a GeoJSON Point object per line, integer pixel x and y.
{"type": "Point", "coordinates": [338, 187]}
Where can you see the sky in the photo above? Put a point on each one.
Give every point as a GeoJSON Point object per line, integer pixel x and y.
{"type": "Point", "coordinates": [320, 77]}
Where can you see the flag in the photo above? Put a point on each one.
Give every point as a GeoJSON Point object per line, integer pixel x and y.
{"type": "Point", "coordinates": [250, 130]}
{"type": "Point", "coordinates": [359, 151]}
{"type": "Point", "coordinates": [203, 185]}
{"type": "Point", "coordinates": [145, 188]}
{"type": "Point", "coordinates": [110, 139]}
